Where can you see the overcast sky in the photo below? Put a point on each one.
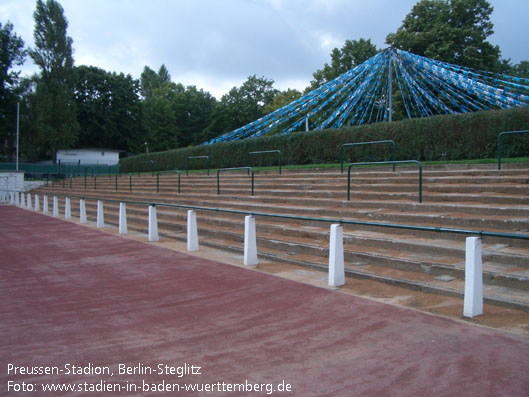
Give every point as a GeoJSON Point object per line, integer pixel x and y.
{"type": "Point", "coordinates": [217, 44]}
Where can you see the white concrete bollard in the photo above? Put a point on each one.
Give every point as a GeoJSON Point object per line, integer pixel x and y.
{"type": "Point", "coordinates": [55, 206]}
{"type": "Point", "coordinates": [122, 218]}
{"type": "Point", "coordinates": [22, 200]}
{"type": "Point", "coordinates": [153, 224]}
{"type": "Point", "coordinates": [82, 211]}
{"type": "Point", "coordinates": [12, 198]}
{"type": "Point", "coordinates": [67, 209]}
{"type": "Point", "coordinates": [45, 205]}
{"type": "Point", "coordinates": [17, 199]}
{"type": "Point", "coordinates": [192, 233]}
{"type": "Point", "coordinates": [250, 241]}
{"type": "Point", "coordinates": [100, 216]}
{"type": "Point", "coordinates": [336, 259]}
{"type": "Point", "coordinates": [29, 201]}
{"type": "Point", "coordinates": [473, 303]}
{"type": "Point", "coordinates": [37, 203]}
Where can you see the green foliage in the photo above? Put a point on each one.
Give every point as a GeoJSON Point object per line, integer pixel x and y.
{"type": "Point", "coordinates": [11, 53]}
{"type": "Point", "coordinates": [242, 105]}
{"type": "Point", "coordinates": [57, 124]}
{"type": "Point", "coordinates": [453, 31]}
{"type": "Point", "coordinates": [453, 137]}
{"type": "Point", "coordinates": [150, 80]}
{"type": "Point", "coordinates": [175, 115]}
{"type": "Point", "coordinates": [352, 54]}
{"type": "Point", "coordinates": [108, 109]}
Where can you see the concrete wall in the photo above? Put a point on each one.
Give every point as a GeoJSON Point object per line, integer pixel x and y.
{"type": "Point", "coordinates": [88, 156]}
{"type": "Point", "coordinates": [12, 180]}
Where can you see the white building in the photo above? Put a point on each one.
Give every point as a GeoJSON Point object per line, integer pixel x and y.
{"type": "Point", "coordinates": [88, 156]}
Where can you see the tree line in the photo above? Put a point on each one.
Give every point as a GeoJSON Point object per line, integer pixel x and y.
{"type": "Point", "coordinates": [66, 106]}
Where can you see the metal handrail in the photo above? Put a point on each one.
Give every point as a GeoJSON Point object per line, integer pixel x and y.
{"type": "Point", "coordinates": [147, 161]}
{"type": "Point", "coordinates": [167, 172]}
{"type": "Point", "coordinates": [195, 157]}
{"type": "Point", "coordinates": [265, 151]}
{"type": "Point", "coordinates": [500, 135]}
{"type": "Point", "coordinates": [418, 163]}
{"type": "Point", "coordinates": [234, 169]}
{"type": "Point", "coordinates": [366, 143]}
{"type": "Point", "coordinates": [480, 233]}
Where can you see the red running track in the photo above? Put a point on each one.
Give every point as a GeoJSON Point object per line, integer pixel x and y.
{"type": "Point", "coordinates": [72, 295]}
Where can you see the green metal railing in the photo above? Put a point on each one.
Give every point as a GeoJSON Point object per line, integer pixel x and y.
{"type": "Point", "coordinates": [167, 172]}
{"type": "Point", "coordinates": [365, 143]}
{"type": "Point", "coordinates": [147, 161]}
{"type": "Point", "coordinates": [234, 169]}
{"type": "Point", "coordinates": [478, 233]}
{"type": "Point", "coordinates": [195, 157]}
{"type": "Point", "coordinates": [418, 163]}
{"type": "Point", "coordinates": [263, 152]}
{"type": "Point", "coordinates": [501, 134]}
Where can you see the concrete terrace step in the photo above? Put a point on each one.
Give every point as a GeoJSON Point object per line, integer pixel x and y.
{"type": "Point", "coordinates": [480, 198]}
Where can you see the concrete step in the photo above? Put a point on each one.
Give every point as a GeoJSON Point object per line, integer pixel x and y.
{"type": "Point", "coordinates": [476, 199]}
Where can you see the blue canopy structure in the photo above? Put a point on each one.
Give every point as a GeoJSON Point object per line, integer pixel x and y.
{"type": "Point", "coordinates": [364, 95]}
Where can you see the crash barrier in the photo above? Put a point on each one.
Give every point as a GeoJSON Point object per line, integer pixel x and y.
{"type": "Point", "coordinates": [195, 157]}
{"type": "Point", "coordinates": [342, 147]}
{"type": "Point", "coordinates": [265, 152]}
{"type": "Point", "coordinates": [501, 135]}
{"type": "Point", "coordinates": [418, 163]}
{"type": "Point", "coordinates": [473, 295]}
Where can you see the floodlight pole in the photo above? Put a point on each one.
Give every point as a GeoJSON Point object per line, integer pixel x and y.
{"type": "Point", "coordinates": [390, 89]}
{"type": "Point", "coordinates": [18, 111]}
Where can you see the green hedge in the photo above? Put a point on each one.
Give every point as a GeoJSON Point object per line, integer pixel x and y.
{"type": "Point", "coordinates": [452, 137]}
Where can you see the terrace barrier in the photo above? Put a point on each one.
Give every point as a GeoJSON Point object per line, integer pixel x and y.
{"type": "Point", "coordinates": [419, 164]}
{"type": "Point", "coordinates": [195, 157]}
{"type": "Point", "coordinates": [234, 169]}
{"type": "Point", "coordinates": [264, 152]}
{"type": "Point", "coordinates": [365, 143]}
{"type": "Point", "coordinates": [502, 134]}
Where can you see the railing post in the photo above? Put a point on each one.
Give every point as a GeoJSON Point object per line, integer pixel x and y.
{"type": "Point", "coordinates": [116, 182]}
{"type": "Point", "coordinates": [100, 216]}
{"type": "Point", "coordinates": [153, 224]}
{"type": "Point", "coordinates": [55, 206]}
{"type": "Point", "coordinates": [192, 232]}
{"type": "Point", "coordinates": [82, 211]}
{"type": "Point", "coordinates": [130, 182]}
{"type": "Point", "coordinates": [473, 302]}
{"type": "Point", "coordinates": [336, 257]}
{"type": "Point", "coordinates": [37, 203]}
{"type": "Point", "coordinates": [122, 218]}
{"type": "Point", "coordinates": [95, 182]}
{"type": "Point", "coordinates": [158, 182]}
{"type": "Point", "coordinates": [45, 205]}
{"type": "Point", "coordinates": [252, 181]}
{"type": "Point", "coordinates": [250, 241]}
{"type": "Point", "coordinates": [67, 209]}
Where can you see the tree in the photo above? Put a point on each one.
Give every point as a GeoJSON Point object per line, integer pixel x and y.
{"type": "Point", "coordinates": [108, 109]}
{"type": "Point", "coordinates": [242, 105]}
{"type": "Point", "coordinates": [282, 98]}
{"type": "Point", "coordinates": [57, 123]}
{"type": "Point", "coordinates": [352, 54]}
{"type": "Point", "coordinates": [150, 80]}
{"type": "Point", "coordinates": [175, 116]}
{"type": "Point", "coordinates": [11, 53]}
{"type": "Point", "coordinates": [453, 31]}
{"type": "Point", "coordinates": [520, 70]}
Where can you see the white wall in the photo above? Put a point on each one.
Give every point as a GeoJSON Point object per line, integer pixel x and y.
{"type": "Point", "coordinates": [102, 157]}
{"type": "Point", "coordinates": [11, 180]}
